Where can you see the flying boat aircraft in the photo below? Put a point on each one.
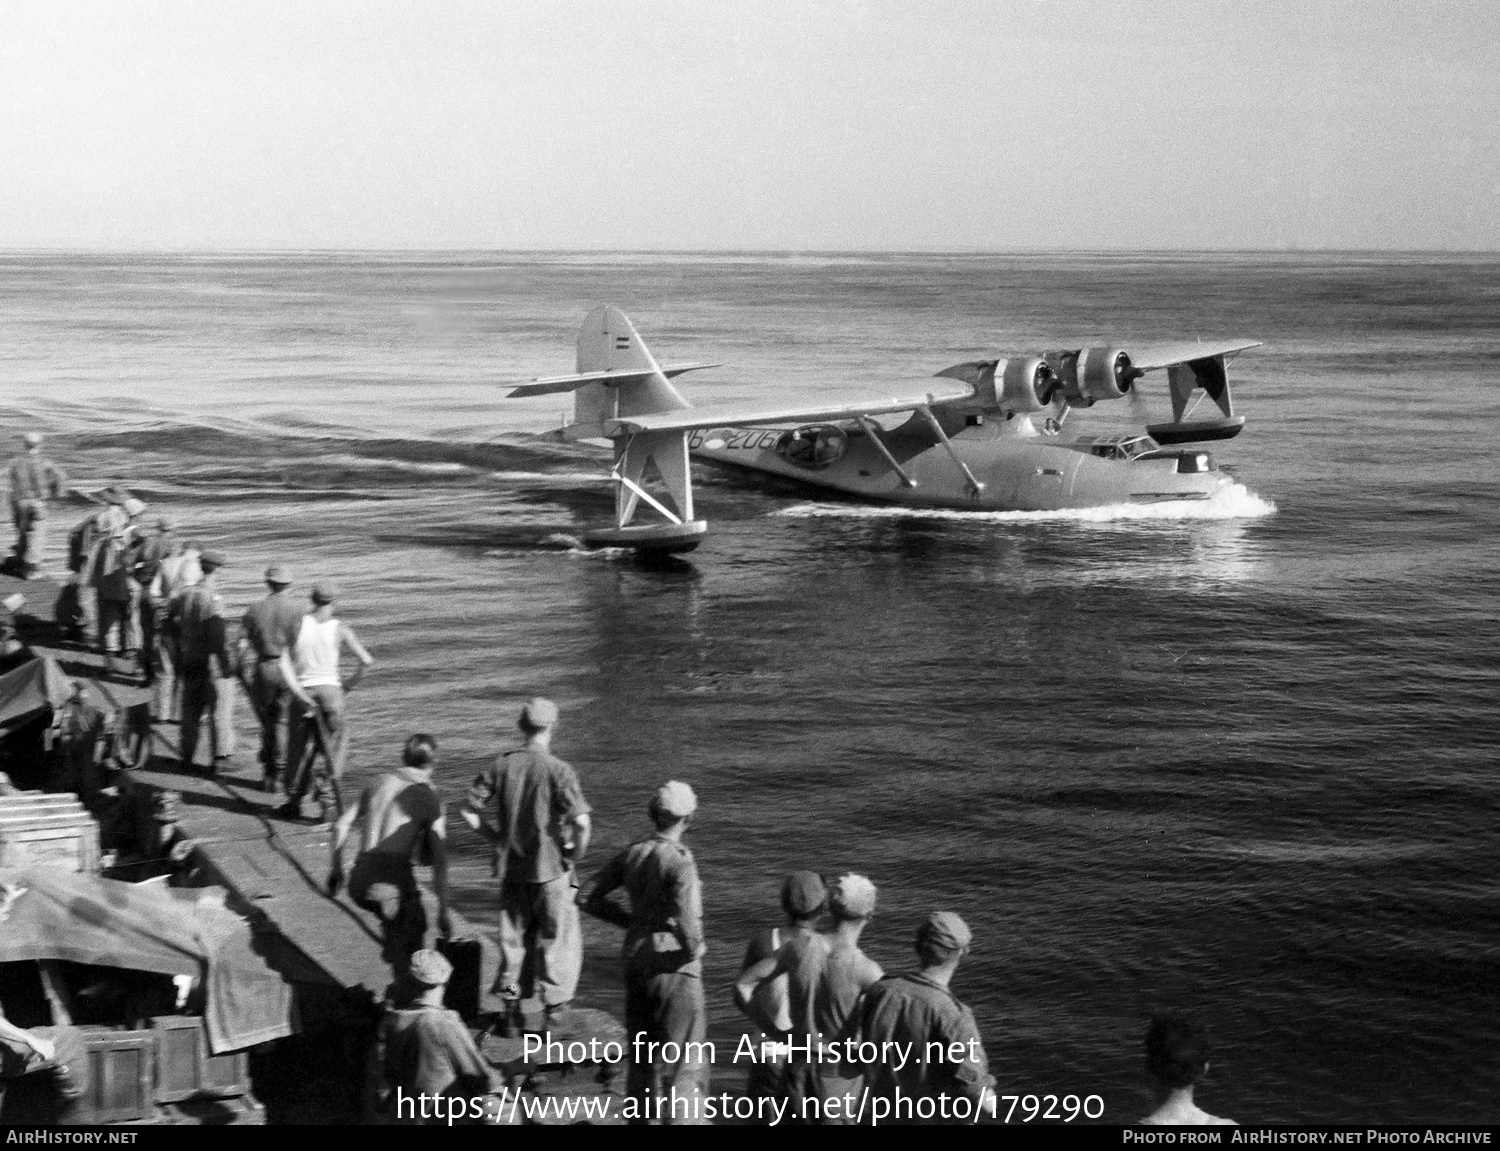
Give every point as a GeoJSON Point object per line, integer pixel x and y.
{"type": "Point", "coordinates": [985, 435]}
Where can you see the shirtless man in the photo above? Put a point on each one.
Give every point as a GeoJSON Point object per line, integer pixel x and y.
{"type": "Point", "coordinates": [826, 975]}
{"type": "Point", "coordinates": [1177, 1057]}
{"type": "Point", "coordinates": [404, 824]}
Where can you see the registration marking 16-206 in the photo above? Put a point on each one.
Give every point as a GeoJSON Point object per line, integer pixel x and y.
{"type": "Point", "coordinates": [731, 439]}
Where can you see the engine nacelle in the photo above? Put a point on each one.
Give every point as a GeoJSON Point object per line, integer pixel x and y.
{"type": "Point", "coordinates": [1024, 384]}
{"type": "Point", "coordinates": [1093, 374]}
{"type": "Point", "coordinates": [1104, 374]}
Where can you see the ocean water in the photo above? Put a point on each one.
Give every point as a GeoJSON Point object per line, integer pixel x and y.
{"type": "Point", "coordinates": [1236, 762]}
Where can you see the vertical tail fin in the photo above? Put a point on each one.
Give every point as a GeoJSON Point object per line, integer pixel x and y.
{"type": "Point", "coordinates": [608, 341]}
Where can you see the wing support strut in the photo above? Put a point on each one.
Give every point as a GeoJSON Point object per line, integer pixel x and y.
{"type": "Point", "coordinates": [873, 432]}
{"type": "Point", "coordinates": [975, 487]}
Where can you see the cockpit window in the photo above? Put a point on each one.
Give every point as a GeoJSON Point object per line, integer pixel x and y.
{"type": "Point", "coordinates": [815, 446]}
{"type": "Point", "coordinates": [1122, 447]}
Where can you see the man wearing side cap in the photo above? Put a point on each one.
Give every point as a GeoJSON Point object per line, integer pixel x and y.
{"type": "Point", "coordinates": [530, 806]}
{"type": "Point", "coordinates": [803, 897]}
{"type": "Point", "coordinates": [917, 1008]}
{"type": "Point", "coordinates": [427, 1051]}
{"type": "Point", "coordinates": [310, 667]}
{"type": "Point", "coordinates": [826, 975]}
{"type": "Point", "coordinates": [196, 623]}
{"type": "Point", "coordinates": [33, 480]}
{"type": "Point", "coordinates": [663, 959]}
{"type": "Point", "coordinates": [267, 629]}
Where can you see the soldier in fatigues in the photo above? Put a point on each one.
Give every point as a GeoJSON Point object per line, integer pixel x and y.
{"type": "Point", "coordinates": [429, 1058]}
{"type": "Point", "coordinates": [33, 478]}
{"type": "Point", "coordinates": [196, 620]}
{"type": "Point", "coordinates": [269, 628]}
{"type": "Point", "coordinates": [540, 828]}
{"type": "Point", "coordinates": [919, 1008]}
{"type": "Point", "coordinates": [663, 961]}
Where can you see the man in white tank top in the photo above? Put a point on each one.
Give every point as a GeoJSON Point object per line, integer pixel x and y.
{"type": "Point", "coordinates": [311, 669]}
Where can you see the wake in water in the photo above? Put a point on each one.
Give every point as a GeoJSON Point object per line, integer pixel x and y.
{"type": "Point", "coordinates": [1230, 503]}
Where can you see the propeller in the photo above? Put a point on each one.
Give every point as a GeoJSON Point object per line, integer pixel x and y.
{"type": "Point", "coordinates": [1126, 373]}
{"type": "Point", "coordinates": [1047, 384]}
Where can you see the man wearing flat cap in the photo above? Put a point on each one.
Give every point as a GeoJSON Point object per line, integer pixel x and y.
{"type": "Point", "coordinates": [267, 629]}
{"type": "Point", "coordinates": [429, 1052]}
{"type": "Point", "coordinates": [529, 805]}
{"type": "Point", "coordinates": [764, 1000]}
{"type": "Point", "coordinates": [663, 960]}
{"type": "Point", "coordinates": [195, 621]}
{"type": "Point", "coordinates": [33, 480]}
{"type": "Point", "coordinates": [826, 975]}
{"type": "Point", "coordinates": [918, 1008]}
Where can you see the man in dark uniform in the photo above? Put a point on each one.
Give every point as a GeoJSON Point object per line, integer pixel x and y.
{"type": "Point", "coordinates": [539, 824]}
{"type": "Point", "coordinates": [917, 1008]}
{"type": "Point", "coordinates": [33, 479]}
{"type": "Point", "coordinates": [269, 628]}
{"type": "Point", "coordinates": [429, 1052]}
{"type": "Point", "coordinates": [197, 621]}
{"type": "Point", "coordinates": [663, 960]}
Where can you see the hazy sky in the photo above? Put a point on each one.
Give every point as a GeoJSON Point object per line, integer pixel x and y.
{"type": "Point", "coordinates": [804, 125]}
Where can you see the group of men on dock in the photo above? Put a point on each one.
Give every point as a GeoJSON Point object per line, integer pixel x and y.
{"type": "Point", "coordinates": [139, 591]}
{"type": "Point", "coordinates": [811, 993]}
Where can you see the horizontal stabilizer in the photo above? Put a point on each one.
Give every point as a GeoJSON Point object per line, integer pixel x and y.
{"type": "Point", "coordinates": [551, 385]}
{"type": "Point", "coordinates": [1165, 355]}
{"type": "Point", "coordinates": [689, 418]}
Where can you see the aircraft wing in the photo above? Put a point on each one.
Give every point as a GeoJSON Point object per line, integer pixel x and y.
{"type": "Point", "coordinates": [687, 419]}
{"type": "Point", "coordinates": [1165, 355]}
{"type": "Point", "coordinates": [550, 385]}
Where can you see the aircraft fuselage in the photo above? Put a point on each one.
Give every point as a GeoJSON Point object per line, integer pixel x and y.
{"type": "Point", "coordinates": [1016, 467]}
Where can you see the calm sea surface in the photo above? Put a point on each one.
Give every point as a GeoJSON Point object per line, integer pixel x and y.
{"type": "Point", "coordinates": [1239, 764]}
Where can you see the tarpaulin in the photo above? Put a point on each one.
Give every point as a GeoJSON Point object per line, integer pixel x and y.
{"type": "Point", "coordinates": [30, 688]}
{"type": "Point", "coordinates": [48, 913]}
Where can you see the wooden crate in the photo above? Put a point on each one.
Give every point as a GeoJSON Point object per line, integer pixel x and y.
{"type": "Point", "coordinates": [118, 1087]}
{"type": "Point", "coordinates": [48, 828]}
{"type": "Point", "coordinates": [186, 1069]}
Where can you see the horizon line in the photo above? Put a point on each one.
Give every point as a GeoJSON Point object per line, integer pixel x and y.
{"type": "Point", "coordinates": [40, 249]}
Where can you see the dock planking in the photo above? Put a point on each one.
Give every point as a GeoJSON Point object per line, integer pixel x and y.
{"type": "Point", "coordinates": [279, 869]}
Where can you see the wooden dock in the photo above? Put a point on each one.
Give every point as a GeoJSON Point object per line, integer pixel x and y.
{"type": "Point", "coordinates": [276, 872]}
{"type": "Point", "coordinates": [277, 869]}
